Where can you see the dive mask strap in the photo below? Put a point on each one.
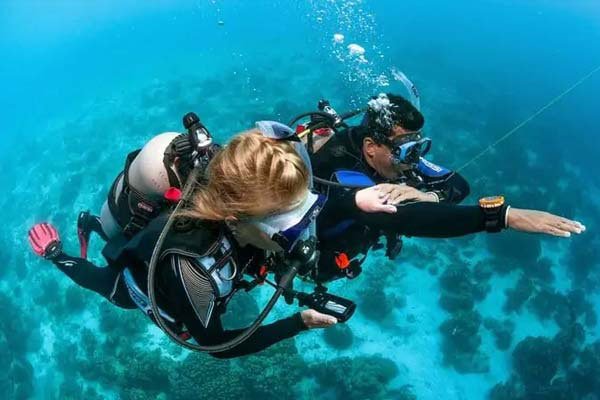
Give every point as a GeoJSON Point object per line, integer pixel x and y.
{"type": "Point", "coordinates": [278, 131]}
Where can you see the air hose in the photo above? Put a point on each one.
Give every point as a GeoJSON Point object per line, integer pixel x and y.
{"type": "Point", "coordinates": [329, 121]}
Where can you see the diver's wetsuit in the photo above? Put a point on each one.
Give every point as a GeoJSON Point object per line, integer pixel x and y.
{"type": "Point", "coordinates": [110, 282]}
{"type": "Point", "coordinates": [344, 228]}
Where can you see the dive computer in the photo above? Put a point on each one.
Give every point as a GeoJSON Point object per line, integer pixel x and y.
{"type": "Point", "coordinates": [495, 209]}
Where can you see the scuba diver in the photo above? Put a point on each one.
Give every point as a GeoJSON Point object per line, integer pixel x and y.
{"type": "Point", "coordinates": [140, 242]}
{"type": "Point", "coordinates": [380, 185]}
{"type": "Point", "coordinates": [246, 210]}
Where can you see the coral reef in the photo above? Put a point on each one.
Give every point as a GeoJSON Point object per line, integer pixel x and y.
{"type": "Point", "coordinates": [363, 377]}
{"type": "Point", "coordinates": [339, 336]}
{"type": "Point", "coordinates": [517, 296]}
{"type": "Point", "coordinates": [502, 331]}
{"type": "Point", "coordinates": [461, 341]}
{"type": "Point", "coordinates": [16, 376]}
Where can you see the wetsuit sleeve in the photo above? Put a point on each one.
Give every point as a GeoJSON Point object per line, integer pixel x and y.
{"type": "Point", "coordinates": [344, 199]}
{"type": "Point", "coordinates": [435, 220]}
{"type": "Point", "coordinates": [106, 281]}
{"type": "Point", "coordinates": [214, 333]}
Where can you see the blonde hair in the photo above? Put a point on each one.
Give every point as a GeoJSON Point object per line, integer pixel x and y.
{"type": "Point", "coordinates": [252, 176]}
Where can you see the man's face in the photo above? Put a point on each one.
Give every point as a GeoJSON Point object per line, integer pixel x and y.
{"type": "Point", "coordinates": [379, 156]}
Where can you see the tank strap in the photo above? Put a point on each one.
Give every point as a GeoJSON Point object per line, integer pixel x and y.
{"type": "Point", "coordinates": [131, 208]}
{"type": "Point", "coordinates": [120, 214]}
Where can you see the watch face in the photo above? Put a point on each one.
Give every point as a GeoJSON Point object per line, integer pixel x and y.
{"type": "Point", "coordinates": [491, 202]}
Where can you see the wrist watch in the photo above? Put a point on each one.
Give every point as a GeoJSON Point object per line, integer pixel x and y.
{"type": "Point", "coordinates": [434, 196]}
{"type": "Point", "coordinates": [494, 208]}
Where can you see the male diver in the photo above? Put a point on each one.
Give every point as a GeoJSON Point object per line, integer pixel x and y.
{"type": "Point", "coordinates": [404, 193]}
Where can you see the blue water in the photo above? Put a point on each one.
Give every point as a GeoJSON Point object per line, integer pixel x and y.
{"type": "Point", "coordinates": [83, 83]}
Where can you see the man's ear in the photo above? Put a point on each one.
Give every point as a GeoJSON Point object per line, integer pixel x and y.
{"type": "Point", "coordinates": [369, 146]}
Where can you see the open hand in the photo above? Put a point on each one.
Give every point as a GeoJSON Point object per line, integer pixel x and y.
{"type": "Point", "coordinates": [314, 319]}
{"type": "Point", "coordinates": [534, 221]}
{"type": "Point", "coordinates": [370, 201]}
{"type": "Point", "coordinates": [399, 193]}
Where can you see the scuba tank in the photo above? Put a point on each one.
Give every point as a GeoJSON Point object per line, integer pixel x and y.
{"type": "Point", "coordinates": [137, 195]}
{"type": "Point", "coordinates": [152, 179]}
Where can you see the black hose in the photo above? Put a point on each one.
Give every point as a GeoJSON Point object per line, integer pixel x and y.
{"type": "Point", "coordinates": [311, 113]}
{"type": "Point", "coordinates": [332, 118]}
{"type": "Point", "coordinates": [153, 267]}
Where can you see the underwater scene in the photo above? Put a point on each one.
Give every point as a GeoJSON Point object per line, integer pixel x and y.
{"type": "Point", "coordinates": [509, 94]}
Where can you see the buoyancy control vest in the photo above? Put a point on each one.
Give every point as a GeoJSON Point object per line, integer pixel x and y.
{"type": "Point", "coordinates": [200, 256]}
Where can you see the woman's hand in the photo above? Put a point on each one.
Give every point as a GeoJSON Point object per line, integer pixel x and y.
{"type": "Point", "coordinates": [385, 196]}
{"type": "Point", "coordinates": [314, 319]}
{"type": "Point", "coordinates": [370, 201]}
{"type": "Point", "coordinates": [399, 193]}
{"type": "Point", "coordinates": [542, 222]}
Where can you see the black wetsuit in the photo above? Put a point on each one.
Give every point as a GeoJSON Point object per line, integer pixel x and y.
{"type": "Point", "coordinates": [109, 282]}
{"type": "Point", "coordinates": [344, 228]}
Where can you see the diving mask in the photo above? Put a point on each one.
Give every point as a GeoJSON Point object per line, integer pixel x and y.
{"type": "Point", "coordinates": [408, 149]}
{"type": "Point", "coordinates": [287, 228]}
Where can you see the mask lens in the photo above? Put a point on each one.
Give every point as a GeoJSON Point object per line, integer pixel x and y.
{"type": "Point", "coordinates": [410, 152]}
{"type": "Point", "coordinates": [425, 146]}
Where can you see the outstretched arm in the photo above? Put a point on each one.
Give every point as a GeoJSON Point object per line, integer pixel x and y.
{"type": "Point", "coordinates": [214, 333]}
{"type": "Point", "coordinates": [442, 220]}
{"type": "Point", "coordinates": [264, 337]}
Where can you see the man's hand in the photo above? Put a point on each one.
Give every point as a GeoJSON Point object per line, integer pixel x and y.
{"type": "Point", "coordinates": [399, 193]}
{"type": "Point", "coordinates": [534, 221]}
{"type": "Point", "coordinates": [314, 319]}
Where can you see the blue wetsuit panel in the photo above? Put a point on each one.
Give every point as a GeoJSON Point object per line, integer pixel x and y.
{"type": "Point", "coordinates": [431, 170]}
{"type": "Point", "coordinates": [354, 178]}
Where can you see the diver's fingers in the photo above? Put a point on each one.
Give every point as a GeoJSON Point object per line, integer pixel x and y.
{"type": "Point", "coordinates": [398, 199]}
{"type": "Point", "coordinates": [400, 195]}
{"type": "Point", "coordinates": [554, 231]}
{"type": "Point", "coordinates": [315, 319]}
{"type": "Point", "coordinates": [571, 226]}
{"type": "Point", "coordinates": [405, 197]}
{"type": "Point", "coordinates": [384, 189]}
{"type": "Point", "coordinates": [384, 199]}
{"type": "Point", "coordinates": [386, 208]}
{"type": "Point", "coordinates": [325, 320]}
{"type": "Point", "coordinates": [563, 226]}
